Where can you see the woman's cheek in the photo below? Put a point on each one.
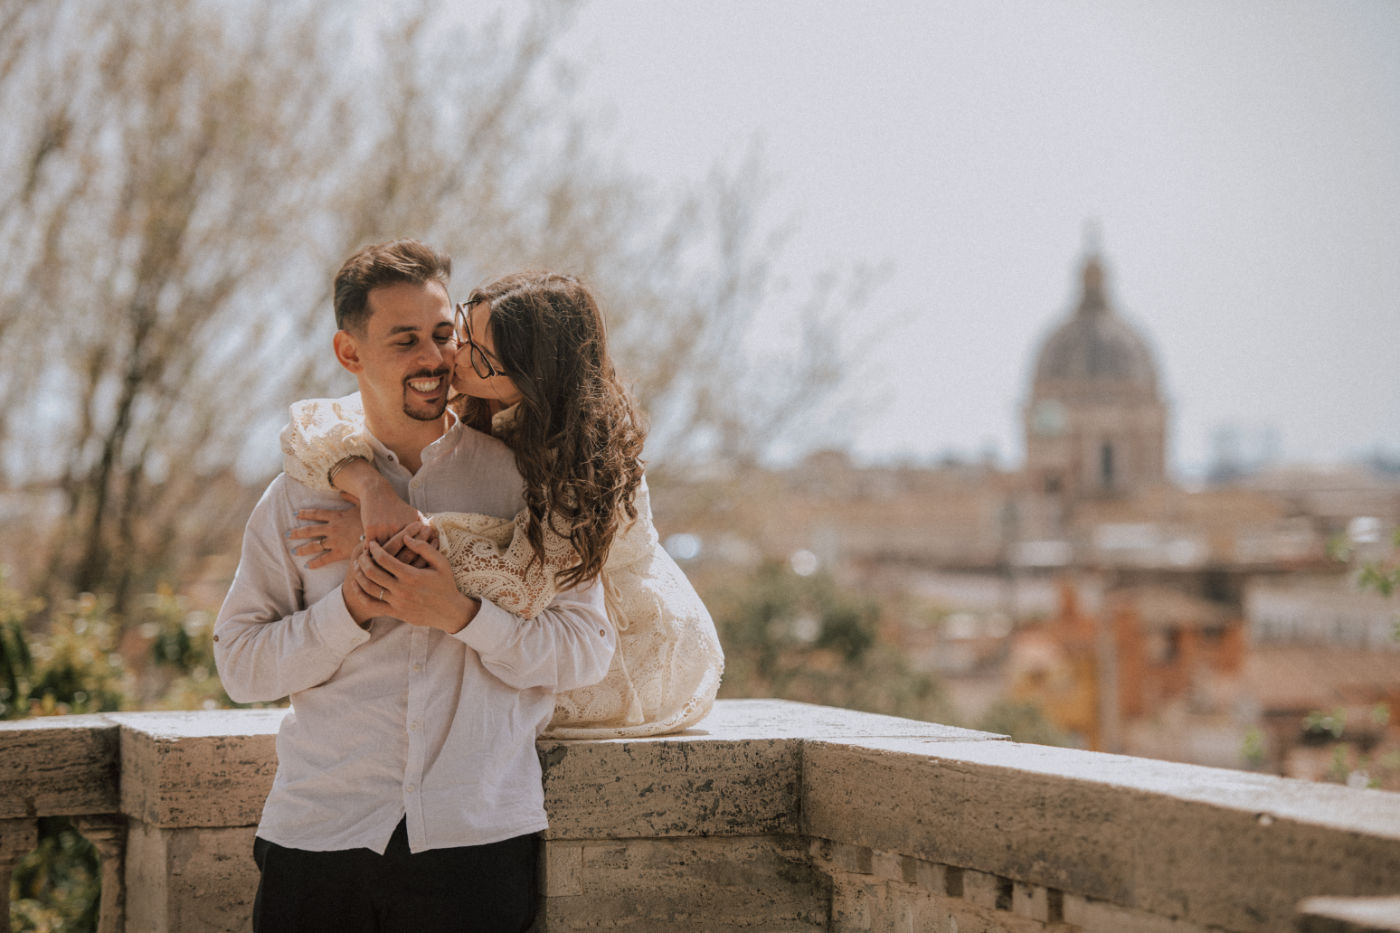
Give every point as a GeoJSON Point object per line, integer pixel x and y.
{"type": "Point", "coordinates": [462, 381]}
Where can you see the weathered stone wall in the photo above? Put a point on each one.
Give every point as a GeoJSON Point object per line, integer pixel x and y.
{"type": "Point", "coordinates": [887, 892]}
{"type": "Point", "coordinates": [1215, 848]}
{"type": "Point", "coordinates": [767, 816]}
{"type": "Point", "coordinates": [700, 831]}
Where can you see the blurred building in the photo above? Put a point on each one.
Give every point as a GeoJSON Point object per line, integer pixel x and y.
{"type": "Point", "coordinates": [1100, 675]}
{"type": "Point", "coordinates": [1095, 424]}
{"type": "Point", "coordinates": [1197, 624]}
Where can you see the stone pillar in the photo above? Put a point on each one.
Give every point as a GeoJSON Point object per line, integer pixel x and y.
{"type": "Point", "coordinates": [17, 839]}
{"type": "Point", "coordinates": [192, 788]}
{"type": "Point", "coordinates": [107, 833]}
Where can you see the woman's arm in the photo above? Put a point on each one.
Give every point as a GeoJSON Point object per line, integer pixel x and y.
{"type": "Point", "coordinates": [491, 558]}
{"type": "Point", "coordinates": [382, 513]}
{"type": "Point", "coordinates": [320, 433]}
{"type": "Point", "coordinates": [324, 446]}
{"type": "Point", "coordinates": [567, 645]}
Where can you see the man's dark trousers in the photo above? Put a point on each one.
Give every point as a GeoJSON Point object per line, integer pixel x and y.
{"type": "Point", "coordinates": [483, 889]}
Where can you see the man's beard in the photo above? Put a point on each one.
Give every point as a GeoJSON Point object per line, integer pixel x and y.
{"type": "Point", "coordinates": [434, 411]}
{"type": "Point", "coordinates": [423, 414]}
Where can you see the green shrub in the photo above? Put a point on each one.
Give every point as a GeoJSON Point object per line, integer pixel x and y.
{"type": "Point", "coordinates": [808, 638]}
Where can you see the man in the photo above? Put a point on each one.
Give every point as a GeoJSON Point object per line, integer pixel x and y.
{"type": "Point", "coordinates": [408, 791]}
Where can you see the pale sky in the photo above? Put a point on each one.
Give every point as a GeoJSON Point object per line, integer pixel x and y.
{"type": "Point", "coordinates": [1241, 159]}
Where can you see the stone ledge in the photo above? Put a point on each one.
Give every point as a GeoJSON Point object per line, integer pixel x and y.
{"type": "Point", "coordinates": [681, 885]}
{"type": "Point", "coordinates": [1206, 846]}
{"type": "Point", "coordinates": [736, 773]}
{"type": "Point", "coordinates": [1349, 915]}
{"type": "Point", "coordinates": [197, 769]}
{"type": "Point", "coordinates": [58, 766]}
{"type": "Point", "coordinates": [665, 789]}
{"type": "Point", "coordinates": [789, 719]}
{"type": "Point", "coordinates": [876, 822]}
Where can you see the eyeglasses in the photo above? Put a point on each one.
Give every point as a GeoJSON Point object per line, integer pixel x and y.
{"type": "Point", "coordinates": [481, 361]}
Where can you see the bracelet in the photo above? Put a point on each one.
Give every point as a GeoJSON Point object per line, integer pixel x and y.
{"type": "Point", "coordinates": [340, 465]}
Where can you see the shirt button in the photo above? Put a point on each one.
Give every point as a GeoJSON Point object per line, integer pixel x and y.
{"type": "Point", "coordinates": [216, 637]}
{"type": "Point", "coordinates": [410, 787]}
{"type": "Point", "coordinates": [417, 668]}
{"type": "Point", "coordinates": [603, 633]}
{"type": "Point", "coordinates": [416, 725]}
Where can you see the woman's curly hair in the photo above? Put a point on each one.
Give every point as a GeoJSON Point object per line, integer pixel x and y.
{"type": "Point", "coordinates": [578, 436]}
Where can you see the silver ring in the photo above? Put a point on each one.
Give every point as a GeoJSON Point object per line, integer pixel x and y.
{"type": "Point", "coordinates": [381, 594]}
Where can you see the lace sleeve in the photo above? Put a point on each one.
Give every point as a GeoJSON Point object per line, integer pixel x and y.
{"type": "Point", "coordinates": [492, 559]}
{"type": "Point", "coordinates": [321, 433]}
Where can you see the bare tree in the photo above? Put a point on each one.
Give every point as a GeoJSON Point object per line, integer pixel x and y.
{"type": "Point", "coordinates": [179, 181]}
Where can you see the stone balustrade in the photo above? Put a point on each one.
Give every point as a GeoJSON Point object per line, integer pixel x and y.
{"type": "Point", "coordinates": [769, 816]}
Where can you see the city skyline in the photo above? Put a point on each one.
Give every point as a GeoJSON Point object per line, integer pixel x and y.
{"type": "Point", "coordinates": [1239, 163]}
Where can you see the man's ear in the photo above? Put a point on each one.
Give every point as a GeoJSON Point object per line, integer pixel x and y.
{"type": "Point", "coordinates": [347, 351]}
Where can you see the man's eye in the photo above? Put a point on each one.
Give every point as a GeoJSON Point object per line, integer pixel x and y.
{"type": "Point", "coordinates": [406, 343]}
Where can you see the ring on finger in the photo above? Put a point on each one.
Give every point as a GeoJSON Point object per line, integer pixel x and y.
{"type": "Point", "coordinates": [381, 594]}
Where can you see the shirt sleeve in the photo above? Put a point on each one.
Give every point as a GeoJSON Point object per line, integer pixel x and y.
{"type": "Point", "coordinates": [267, 645]}
{"type": "Point", "coordinates": [569, 644]}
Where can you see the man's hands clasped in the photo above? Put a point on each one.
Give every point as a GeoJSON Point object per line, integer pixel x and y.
{"type": "Point", "coordinates": [406, 578]}
{"type": "Point", "coordinates": [396, 569]}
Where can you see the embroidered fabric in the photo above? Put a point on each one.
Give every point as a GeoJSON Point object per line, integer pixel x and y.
{"type": "Point", "coordinates": [667, 669]}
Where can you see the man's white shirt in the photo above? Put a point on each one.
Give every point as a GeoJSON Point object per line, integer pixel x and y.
{"type": "Point", "coordinates": [399, 720]}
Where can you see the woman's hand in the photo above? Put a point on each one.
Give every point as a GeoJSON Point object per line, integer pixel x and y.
{"type": "Point", "coordinates": [425, 596]}
{"type": "Point", "coordinates": [382, 512]}
{"type": "Point", "coordinates": [331, 536]}
{"type": "Point", "coordinates": [384, 515]}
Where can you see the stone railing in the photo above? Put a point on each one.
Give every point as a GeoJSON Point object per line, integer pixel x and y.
{"type": "Point", "coordinates": [769, 816]}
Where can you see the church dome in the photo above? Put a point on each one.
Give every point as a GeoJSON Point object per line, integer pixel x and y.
{"type": "Point", "coordinates": [1096, 348]}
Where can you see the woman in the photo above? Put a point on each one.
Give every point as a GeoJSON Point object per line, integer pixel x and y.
{"type": "Point", "coordinates": [533, 369]}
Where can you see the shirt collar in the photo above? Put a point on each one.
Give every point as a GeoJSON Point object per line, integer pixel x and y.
{"type": "Point", "coordinates": [428, 454]}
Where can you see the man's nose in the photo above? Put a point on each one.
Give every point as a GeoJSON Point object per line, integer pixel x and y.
{"type": "Point", "coordinates": [434, 355]}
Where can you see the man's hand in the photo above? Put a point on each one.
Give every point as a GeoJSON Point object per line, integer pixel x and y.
{"type": "Point", "coordinates": [361, 605]}
{"type": "Point", "coordinates": [398, 547]}
{"type": "Point", "coordinates": [424, 596]}
{"type": "Point", "coordinates": [331, 536]}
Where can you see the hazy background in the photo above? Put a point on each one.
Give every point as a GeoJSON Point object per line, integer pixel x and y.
{"type": "Point", "coordinates": [1241, 160]}
{"type": "Point", "coordinates": [812, 225]}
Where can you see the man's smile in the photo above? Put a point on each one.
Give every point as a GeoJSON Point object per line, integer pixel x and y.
{"type": "Point", "coordinates": [428, 385]}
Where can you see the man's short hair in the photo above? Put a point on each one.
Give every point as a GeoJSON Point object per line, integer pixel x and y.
{"type": "Point", "coordinates": [389, 263]}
